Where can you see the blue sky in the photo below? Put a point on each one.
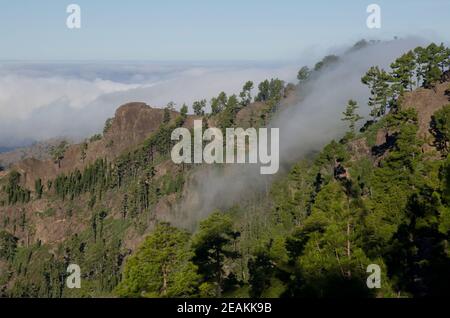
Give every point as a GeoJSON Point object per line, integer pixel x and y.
{"type": "Point", "coordinates": [205, 29]}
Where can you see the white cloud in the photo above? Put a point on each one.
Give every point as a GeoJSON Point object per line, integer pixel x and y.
{"type": "Point", "coordinates": [304, 128]}
{"type": "Point", "coordinates": [40, 101]}
{"type": "Point", "coordinates": [21, 95]}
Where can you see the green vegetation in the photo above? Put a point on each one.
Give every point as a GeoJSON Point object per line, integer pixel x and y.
{"type": "Point", "coordinates": [351, 116]}
{"type": "Point", "coordinates": [303, 74]}
{"type": "Point", "coordinates": [107, 127]}
{"type": "Point", "coordinates": [422, 67]}
{"type": "Point", "coordinates": [218, 103]}
{"type": "Point", "coordinates": [327, 61]}
{"type": "Point", "coordinates": [184, 111]}
{"type": "Point", "coordinates": [8, 246]}
{"type": "Point", "coordinates": [38, 188]}
{"type": "Point", "coordinates": [57, 152]}
{"type": "Point", "coordinates": [440, 127]}
{"type": "Point", "coordinates": [14, 191]}
{"type": "Point", "coordinates": [95, 138]}
{"type": "Point", "coordinates": [270, 91]}
{"type": "Point", "coordinates": [378, 82]}
{"type": "Point", "coordinates": [311, 234]}
{"type": "Point", "coordinates": [161, 267]}
{"type": "Point", "coordinates": [246, 94]}
{"type": "Point", "coordinates": [212, 248]}
{"type": "Point", "coordinates": [199, 107]}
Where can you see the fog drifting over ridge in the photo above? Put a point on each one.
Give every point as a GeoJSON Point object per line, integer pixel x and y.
{"type": "Point", "coordinates": [73, 100]}
{"type": "Point", "coordinates": [304, 128]}
{"type": "Point", "coordinates": [39, 101]}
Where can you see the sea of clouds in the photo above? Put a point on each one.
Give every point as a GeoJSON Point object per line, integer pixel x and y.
{"type": "Point", "coordinates": [41, 100]}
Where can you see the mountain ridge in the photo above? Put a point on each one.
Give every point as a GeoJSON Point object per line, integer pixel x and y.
{"type": "Point", "coordinates": [313, 231]}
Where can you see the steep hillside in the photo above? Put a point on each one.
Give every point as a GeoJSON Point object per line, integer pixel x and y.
{"type": "Point", "coordinates": [377, 196]}
{"type": "Point", "coordinates": [426, 102]}
{"type": "Point", "coordinates": [131, 125]}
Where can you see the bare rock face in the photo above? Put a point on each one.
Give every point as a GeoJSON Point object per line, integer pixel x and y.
{"type": "Point", "coordinates": [359, 149]}
{"type": "Point", "coordinates": [426, 102]}
{"type": "Point", "coordinates": [132, 124]}
{"type": "Point", "coordinates": [250, 115]}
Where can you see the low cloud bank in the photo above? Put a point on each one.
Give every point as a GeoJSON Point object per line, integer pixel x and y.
{"type": "Point", "coordinates": [304, 128]}
{"type": "Point", "coordinates": [42, 101]}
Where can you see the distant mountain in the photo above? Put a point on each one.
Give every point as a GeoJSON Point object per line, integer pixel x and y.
{"type": "Point", "coordinates": [6, 149]}
{"type": "Point", "coordinates": [38, 150]}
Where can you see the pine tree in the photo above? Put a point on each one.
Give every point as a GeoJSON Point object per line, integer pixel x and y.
{"type": "Point", "coordinates": [184, 111]}
{"type": "Point", "coordinates": [264, 91]}
{"type": "Point", "coordinates": [246, 94]}
{"type": "Point", "coordinates": [326, 61]}
{"type": "Point", "coordinates": [199, 107]}
{"type": "Point", "coordinates": [378, 82]}
{"type": "Point", "coordinates": [351, 116]}
{"type": "Point", "coordinates": [329, 248]}
{"type": "Point", "coordinates": [433, 58]}
{"type": "Point", "coordinates": [15, 192]}
{"type": "Point", "coordinates": [83, 149]}
{"type": "Point", "coordinates": [303, 74]}
{"type": "Point", "coordinates": [219, 103]}
{"type": "Point", "coordinates": [440, 128]}
{"type": "Point", "coordinates": [270, 91]}
{"type": "Point", "coordinates": [108, 125]}
{"type": "Point", "coordinates": [8, 245]}
{"type": "Point", "coordinates": [161, 266]}
{"type": "Point", "coordinates": [166, 116]}
{"type": "Point", "coordinates": [260, 270]}
{"type": "Point", "coordinates": [125, 206]}
{"type": "Point", "coordinates": [421, 64]}
{"type": "Point", "coordinates": [57, 152]}
{"type": "Point", "coordinates": [442, 57]}
{"type": "Point", "coordinates": [210, 246]}
{"type": "Point", "coordinates": [403, 72]}
{"type": "Point", "coordinates": [39, 188]}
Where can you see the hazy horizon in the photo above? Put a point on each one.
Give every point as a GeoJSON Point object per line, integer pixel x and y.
{"type": "Point", "coordinates": [73, 99]}
{"type": "Point", "coordinates": [56, 81]}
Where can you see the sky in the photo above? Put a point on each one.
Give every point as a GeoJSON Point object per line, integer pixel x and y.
{"type": "Point", "coordinates": [202, 30]}
{"type": "Point", "coordinates": [56, 81]}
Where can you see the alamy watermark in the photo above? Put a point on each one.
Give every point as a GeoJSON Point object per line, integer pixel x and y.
{"type": "Point", "coordinates": [257, 148]}
{"type": "Point", "coordinates": [374, 19]}
{"type": "Point", "coordinates": [374, 279]}
{"type": "Point", "coordinates": [73, 21]}
{"type": "Point", "coordinates": [74, 278]}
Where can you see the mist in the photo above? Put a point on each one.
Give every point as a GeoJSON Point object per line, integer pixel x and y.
{"type": "Point", "coordinates": [304, 128]}
{"type": "Point", "coordinates": [39, 101]}
{"type": "Point", "coordinates": [42, 101]}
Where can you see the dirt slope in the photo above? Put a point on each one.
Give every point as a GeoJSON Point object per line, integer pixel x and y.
{"type": "Point", "coordinates": [426, 102]}
{"type": "Point", "coordinates": [131, 125]}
